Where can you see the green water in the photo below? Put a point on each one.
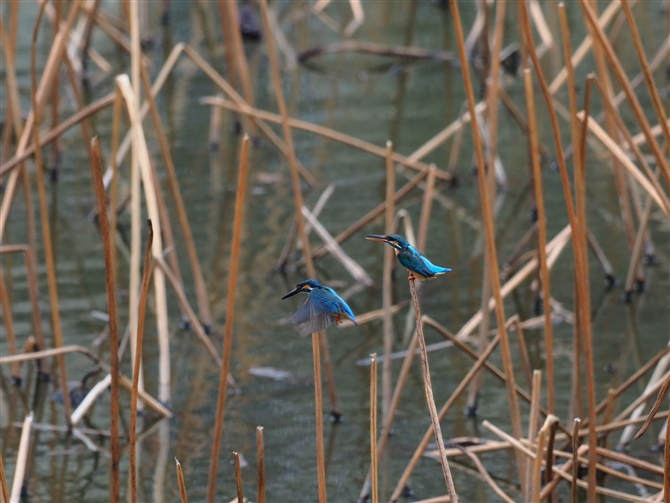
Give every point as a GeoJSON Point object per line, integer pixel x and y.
{"type": "Point", "coordinates": [375, 99]}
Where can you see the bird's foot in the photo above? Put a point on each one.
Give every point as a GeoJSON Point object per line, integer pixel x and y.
{"type": "Point", "coordinates": [411, 277]}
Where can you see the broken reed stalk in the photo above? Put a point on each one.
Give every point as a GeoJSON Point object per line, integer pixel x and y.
{"type": "Point", "coordinates": [387, 283]}
{"type": "Point", "coordinates": [541, 238]}
{"type": "Point", "coordinates": [260, 460]}
{"type": "Point", "coordinates": [180, 482]}
{"type": "Point", "coordinates": [49, 256]}
{"type": "Point", "coordinates": [575, 462]}
{"type": "Point", "coordinates": [429, 395]}
{"type": "Point", "coordinates": [373, 426]}
{"type": "Point", "coordinates": [110, 283]}
{"type": "Point", "coordinates": [146, 280]}
{"type": "Point", "coordinates": [390, 416]}
{"type": "Point", "coordinates": [318, 416]}
{"type": "Point", "coordinates": [533, 424]}
{"type": "Point", "coordinates": [22, 456]}
{"type": "Point", "coordinates": [238, 477]}
{"type": "Point", "coordinates": [666, 461]}
{"type": "Point", "coordinates": [240, 198]}
{"type": "Point", "coordinates": [4, 488]}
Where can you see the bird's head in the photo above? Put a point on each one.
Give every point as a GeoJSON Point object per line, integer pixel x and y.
{"type": "Point", "coordinates": [396, 241]}
{"type": "Point", "coordinates": [306, 286]}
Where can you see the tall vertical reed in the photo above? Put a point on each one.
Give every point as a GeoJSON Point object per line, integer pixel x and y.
{"type": "Point", "coordinates": [260, 460]}
{"type": "Point", "coordinates": [146, 280]}
{"type": "Point", "coordinates": [242, 179]}
{"type": "Point", "coordinates": [541, 238]}
{"type": "Point", "coordinates": [110, 282]}
{"type": "Point", "coordinates": [49, 255]}
{"type": "Point", "coordinates": [180, 482]}
{"type": "Point", "coordinates": [387, 283]}
{"type": "Point", "coordinates": [373, 426]}
{"type": "Point", "coordinates": [429, 396]}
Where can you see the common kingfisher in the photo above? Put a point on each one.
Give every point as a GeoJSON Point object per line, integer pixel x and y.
{"type": "Point", "coordinates": [321, 308]}
{"type": "Point", "coordinates": [411, 258]}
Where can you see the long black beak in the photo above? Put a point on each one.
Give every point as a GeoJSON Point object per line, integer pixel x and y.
{"type": "Point", "coordinates": [292, 293]}
{"type": "Point", "coordinates": [377, 237]}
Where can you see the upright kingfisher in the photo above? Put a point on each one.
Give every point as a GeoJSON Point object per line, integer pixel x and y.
{"type": "Point", "coordinates": [411, 258]}
{"type": "Point", "coordinates": [321, 308]}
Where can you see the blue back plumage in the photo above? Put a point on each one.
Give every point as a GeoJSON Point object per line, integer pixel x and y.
{"type": "Point", "coordinates": [322, 308]}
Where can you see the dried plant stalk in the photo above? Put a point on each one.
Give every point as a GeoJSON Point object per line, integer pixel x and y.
{"type": "Point", "coordinates": [373, 426]}
{"type": "Point", "coordinates": [387, 294]}
{"type": "Point", "coordinates": [429, 395]}
{"type": "Point", "coordinates": [146, 280]}
{"type": "Point", "coordinates": [180, 482]}
{"type": "Point", "coordinates": [238, 477]}
{"type": "Point", "coordinates": [22, 457]}
{"type": "Point", "coordinates": [110, 282]}
{"type": "Point", "coordinates": [242, 179]}
{"type": "Point", "coordinates": [260, 455]}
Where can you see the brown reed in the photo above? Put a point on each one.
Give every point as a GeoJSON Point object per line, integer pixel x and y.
{"type": "Point", "coordinates": [180, 482]}
{"type": "Point", "coordinates": [242, 179]}
{"type": "Point", "coordinates": [541, 238]}
{"type": "Point", "coordinates": [44, 216]}
{"type": "Point", "coordinates": [387, 293]}
{"type": "Point", "coordinates": [146, 280]}
{"type": "Point", "coordinates": [110, 282]}
{"type": "Point", "coordinates": [373, 426]}
{"type": "Point", "coordinates": [238, 477]}
{"type": "Point", "coordinates": [9, 328]}
{"type": "Point", "coordinates": [4, 488]}
{"type": "Point", "coordinates": [429, 394]}
{"type": "Point", "coordinates": [260, 459]}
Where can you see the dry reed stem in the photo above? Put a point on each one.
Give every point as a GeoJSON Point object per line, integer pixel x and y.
{"type": "Point", "coordinates": [146, 280]}
{"type": "Point", "coordinates": [318, 416]}
{"type": "Point", "coordinates": [523, 349]}
{"type": "Point", "coordinates": [387, 283]}
{"type": "Point", "coordinates": [123, 380]}
{"type": "Point", "coordinates": [630, 94]}
{"type": "Point", "coordinates": [352, 267]}
{"type": "Point", "coordinates": [429, 394]}
{"type": "Point", "coordinates": [238, 477]}
{"type": "Point", "coordinates": [659, 399]}
{"type": "Point", "coordinates": [485, 475]}
{"type": "Point", "coordinates": [562, 77]}
{"type": "Point", "coordinates": [426, 206]}
{"type": "Point", "coordinates": [533, 425]}
{"type": "Point", "coordinates": [260, 456]}
{"type": "Point", "coordinates": [22, 457]}
{"type": "Point", "coordinates": [373, 426]}
{"type": "Point", "coordinates": [638, 247]}
{"type": "Point", "coordinates": [575, 462]}
{"type": "Point", "coordinates": [230, 311]}
{"type": "Point", "coordinates": [180, 482]}
{"type": "Point", "coordinates": [541, 238]}
{"type": "Point", "coordinates": [326, 133]}
{"type": "Point", "coordinates": [4, 488]}
{"type": "Point", "coordinates": [9, 328]}
{"type": "Point", "coordinates": [44, 216]}
{"type": "Point", "coordinates": [52, 134]}
{"type": "Point", "coordinates": [90, 398]}
{"type": "Point", "coordinates": [520, 447]}
{"type": "Point", "coordinates": [110, 283]}
{"type": "Point", "coordinates": [390, 415]}
{"type": "Point", "coordinates": [646, 72]}
{"type": "Point", "coordinates": [375, 314]}
{"type": "Point", "coordinates": [489, 366]}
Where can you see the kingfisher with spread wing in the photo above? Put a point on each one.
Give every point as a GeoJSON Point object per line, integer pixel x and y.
{"type": "Point", "coordinates": [322, 308]}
